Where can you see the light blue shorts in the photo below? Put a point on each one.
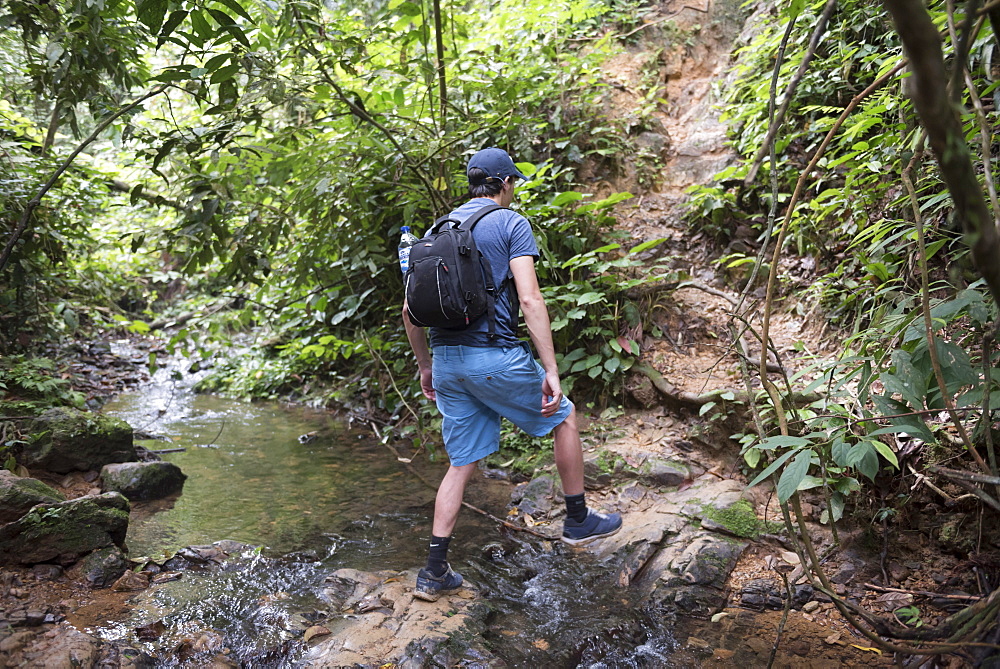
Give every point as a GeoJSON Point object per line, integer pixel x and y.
{"type": "Point", "coordinates": [476, 386]}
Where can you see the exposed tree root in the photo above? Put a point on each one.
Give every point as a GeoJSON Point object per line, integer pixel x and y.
{"type": "Point", "coordinates": [674, 394]}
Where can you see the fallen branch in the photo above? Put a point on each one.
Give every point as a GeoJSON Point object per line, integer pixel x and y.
{"type": "Point", "coordinates": [419, 477]}
{"type": "Point", "coordinates": [921, 593]}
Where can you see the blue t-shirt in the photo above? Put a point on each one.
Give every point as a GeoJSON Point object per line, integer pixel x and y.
{"type": "Point", "coordinates": [501, 236]}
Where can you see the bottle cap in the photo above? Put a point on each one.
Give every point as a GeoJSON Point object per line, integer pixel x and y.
{"type": "Point", "coordinates": [405, 228]}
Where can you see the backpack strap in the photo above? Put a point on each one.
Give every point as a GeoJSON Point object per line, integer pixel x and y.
{"type": "Point", "coordinates": [491, 290]}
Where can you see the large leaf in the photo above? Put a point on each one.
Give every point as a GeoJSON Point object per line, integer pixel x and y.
{"type": "Point", "coordinates": [771, 468]}
{"type": "Point", "coordinates": [794, 474]}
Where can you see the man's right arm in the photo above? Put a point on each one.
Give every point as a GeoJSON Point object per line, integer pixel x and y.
{"type": "Point", "coordinates": [536, 318]}
{"type": "Point", "coordinates": [418, 342]}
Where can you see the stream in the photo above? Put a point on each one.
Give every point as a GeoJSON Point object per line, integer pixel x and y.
{"type": "Point", "coordinates": [299, 511]}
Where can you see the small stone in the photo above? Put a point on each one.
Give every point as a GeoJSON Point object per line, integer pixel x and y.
{"type": "Point", "coordinates": [809, 607]}
{"type": "Point", "coordinates": [695, 642]}
{"type": "Point", "coordinates": [722, 654]}
{"type": "Point", "coordinates": [130, 581]}
{"type": "Point", "coordinates": [834, 639]}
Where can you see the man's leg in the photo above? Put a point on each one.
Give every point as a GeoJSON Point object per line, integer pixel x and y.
{"type": "Point", "coordinates": [437, 576]}
{"type": "Point", "coordinates": [449, 498]}
{"type": "Point", "coordinates": [582, 525]}
{"type": "Point", "coordinates": [569, 455]}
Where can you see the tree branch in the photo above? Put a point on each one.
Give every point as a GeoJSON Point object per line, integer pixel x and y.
{"type": "Point", "coordinates": [33, 203]}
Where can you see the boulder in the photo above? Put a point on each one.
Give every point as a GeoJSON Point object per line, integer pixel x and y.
{"type": "Point", "coordinates": [142, 480]}
{"type": "Point", "coordinates": [19, 494]}
{"type": "Point", "coordinates": [64, 531]}
{"type": "Point", "coordinates": [66, 440]}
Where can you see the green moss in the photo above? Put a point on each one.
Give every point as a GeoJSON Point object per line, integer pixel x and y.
{"type": "Point", "coordinates": [739, 519]}
{"type": "Point", "coordinates": [608, 462]}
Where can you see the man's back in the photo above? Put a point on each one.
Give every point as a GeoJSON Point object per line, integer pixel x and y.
{"type": "Point", "coordinates": [501, 236]}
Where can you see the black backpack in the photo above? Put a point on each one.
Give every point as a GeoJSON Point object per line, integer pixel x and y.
{"type": "Point", "coordinates": [449, 283]}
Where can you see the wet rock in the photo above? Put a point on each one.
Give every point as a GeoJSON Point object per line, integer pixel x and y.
{"type": "Point", "coordinates": [535, 497]}
{"type": "Point", "coordinates": [710, 559]}
{"type": "Point", "coordinates": [400, 630]}
{"type": "Point", "coordinates": [19, 494]}
{"type": "Point", "coordinates": [767, 593]}
{"type": "Point", "coordinates": [102, 567]}
{"type": "Point", "coordinates": [654, 143]}
{"type": "Point", "coordinates": [762, 593]}
{"type": "Point", "coordinates": [142, 480]}
{"type": "Point", "coordinates": [59, 645]}
{"type": "Point", "coordinates": [200, 556]}
{"type": "Point", "coordinates": [47, 572]}
{"type": "Point", "coordinates": [64, 531]}
{"type": "Point", "coordinates": [67, 440]}
{"type": "Point", "coordinates": [599, 469]}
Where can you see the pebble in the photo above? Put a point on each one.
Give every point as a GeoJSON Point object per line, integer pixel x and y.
{"type": "Point", "coordinates": [809, 607]}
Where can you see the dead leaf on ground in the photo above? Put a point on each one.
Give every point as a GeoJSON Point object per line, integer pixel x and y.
{"type": "Point", "coordinates": [315, 631]}
{"type": "Point", "coordinates": [890, 601]}
{"type": "Point", "coordinates": [541, 644]}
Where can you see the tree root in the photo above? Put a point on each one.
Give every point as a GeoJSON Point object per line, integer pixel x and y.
{"type": "Point", "coordinates": [674, 394]}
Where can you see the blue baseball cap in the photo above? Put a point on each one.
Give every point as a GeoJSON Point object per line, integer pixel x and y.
{"type": "Point", "coordinates": [496, 163]}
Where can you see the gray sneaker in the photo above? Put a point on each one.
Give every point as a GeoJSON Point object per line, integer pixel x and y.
{"type": "Point", "coordinates": [430, 587]}
{"type": "Point", "coordinates": [594, 526]}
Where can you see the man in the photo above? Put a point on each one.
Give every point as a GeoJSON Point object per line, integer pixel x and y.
{"type": "Point", "coordinates": [476, 379]}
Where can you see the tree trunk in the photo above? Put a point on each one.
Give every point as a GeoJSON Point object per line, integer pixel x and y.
{"type": "Point", "coordinates": [947, 139]}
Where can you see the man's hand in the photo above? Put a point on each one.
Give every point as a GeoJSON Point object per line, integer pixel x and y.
{"type": "Point", "coordinates": [426, 384]}
{"type": "Point", "coordinates": [551, 394]}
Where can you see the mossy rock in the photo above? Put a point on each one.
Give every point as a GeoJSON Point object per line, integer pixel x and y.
{"type": "Point", "coordinates": [658, 472]}
{"type": "Point", "coordinates": [64, 531]}
{"type": "Point", "coordinates": [142, 480]}
{"type": "Point", "coordinates": [65, 440]}
{"type": "Point", "coordinates": [738, 519]}
{"type": "Point", "coordinates": [18, 494]}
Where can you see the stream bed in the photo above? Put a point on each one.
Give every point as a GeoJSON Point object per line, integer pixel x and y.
{"type": "Point", "coordinates": [292, 510]}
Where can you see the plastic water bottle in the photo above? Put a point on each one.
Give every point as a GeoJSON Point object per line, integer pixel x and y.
{"type": "Point", "coordinates": [406, 240]}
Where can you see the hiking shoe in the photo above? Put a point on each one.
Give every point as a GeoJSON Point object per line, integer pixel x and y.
{"type": "Point", "coordinates": [594, 526]}
{"type": "Point", "coordinates": [429, 587]}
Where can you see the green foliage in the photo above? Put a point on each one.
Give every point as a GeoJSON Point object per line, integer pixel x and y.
{"type": "Point", "coordinates": [36, 379]}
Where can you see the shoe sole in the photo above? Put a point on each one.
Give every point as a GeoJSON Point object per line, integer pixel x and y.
{"type": "Point", "coordinates": [427, 596]}
{"type": "Point", "coordinates": [593, 537]}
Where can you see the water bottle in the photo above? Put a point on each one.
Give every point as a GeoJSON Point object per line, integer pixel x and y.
{"type": "Point", "coordinates": [406, 240]}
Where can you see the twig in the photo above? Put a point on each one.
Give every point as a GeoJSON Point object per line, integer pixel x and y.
{"type": "Point", "coordinates": [167, 450]}
{"type": "Point", "coordinates": [784, 619]}
{"type": "Point", "coordinates": [772, 130]}
{"type": "Point", "coordinates": [925, 303]}
{"type": "Point", "coordinates": [217, 434]}
{"type": "Point", "coordinates": [975, 490]}
{"type": "Point", "coordinates": [927, 482]}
